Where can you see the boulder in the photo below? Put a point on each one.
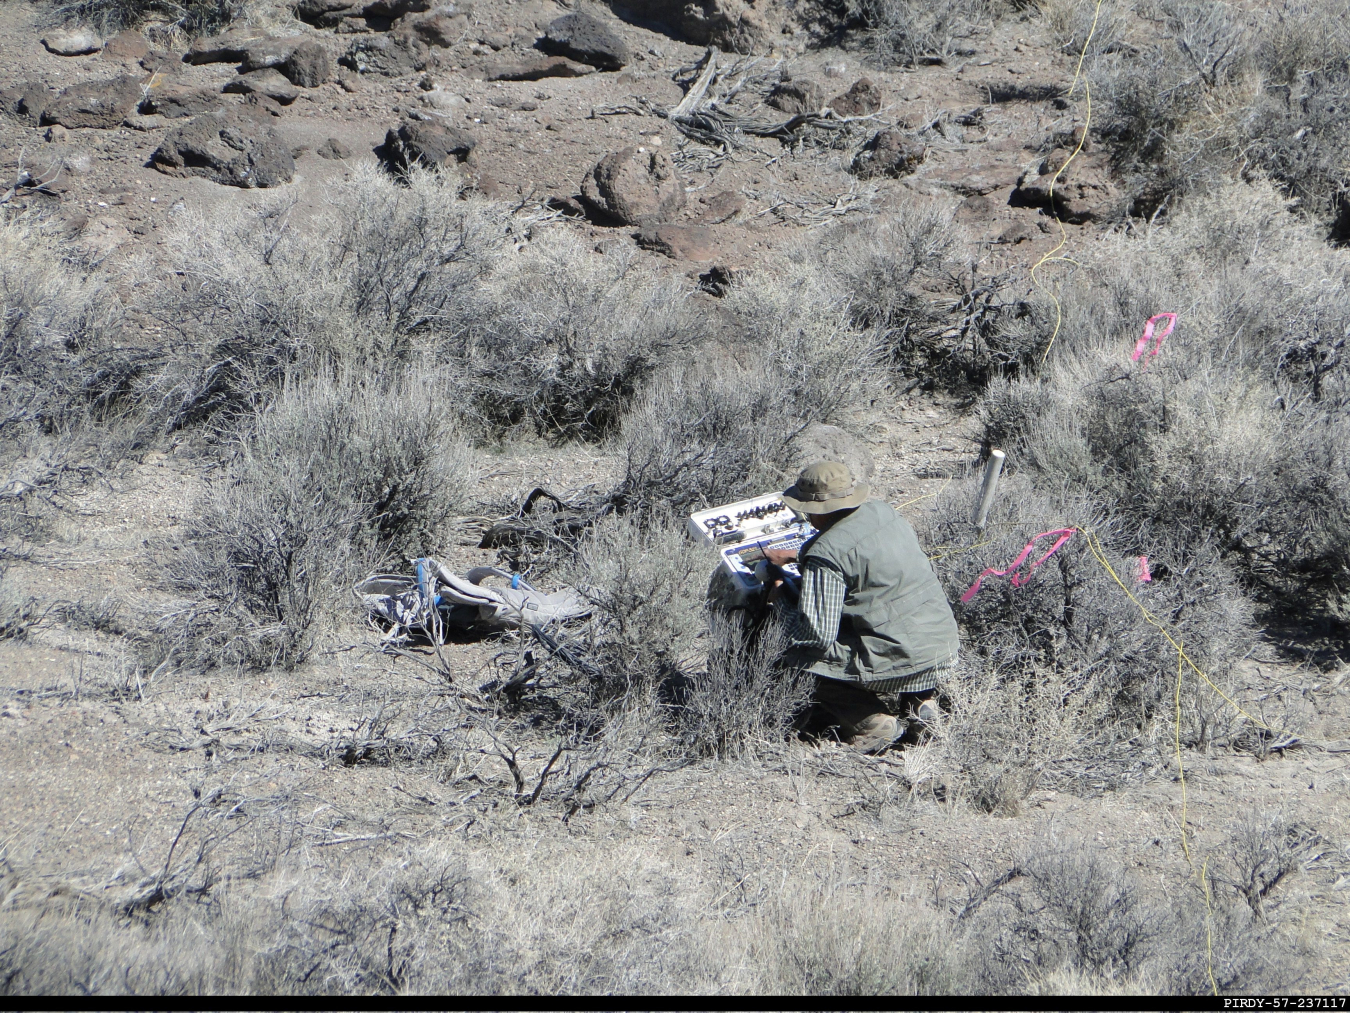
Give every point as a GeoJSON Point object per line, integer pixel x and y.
{"type": "Point", "coordinates": [387, 55]}
{"type": "Point", "coordinates": [679, 242]}
{"type": "Point", "coordinates": [534, 70]}
{"type": "Point", "coordinates": [178, 103]}
{"type": "Point", "coordinates": [102, 104]}
{"type": "Point", "coordinates": [863, 99]}
{"type": "Point", "coordinates": [229, 147]}
{"type": "Point", "coordinates": [229, 47]}
{"type": "Point", "coordinates": [419, 142]}
{"type": "Point", "coordinates": [73, 42]}
{"type": "Point", "coordinates": [269, 81]}
{"type": "Point", "coordinates": [722, 207]}
{"type": "Point", "coordinates": [889, 153]}
{"type": "Point", "coordinates": [308, 65]}
{"type": "Point", "coordinates": [126, 45]}
{"type": "Point", "coordinates": [796, 96]}
{"type": "Point", "coordinates": [586, 39]}
{"type": "Point", "coordinates": [632, 187]}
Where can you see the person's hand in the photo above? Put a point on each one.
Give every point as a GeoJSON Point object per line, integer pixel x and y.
{"type": "Point", "coordinates": [775, 592]}
{"type": "Point", "coordinates": [780, 557]}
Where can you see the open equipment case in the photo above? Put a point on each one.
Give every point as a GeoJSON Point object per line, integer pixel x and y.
{"type": "Point", "coordinates": [741, 532]}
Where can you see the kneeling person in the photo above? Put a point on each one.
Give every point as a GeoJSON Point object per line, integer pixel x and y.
{"type": "Point", "coordinates": [872, 617]}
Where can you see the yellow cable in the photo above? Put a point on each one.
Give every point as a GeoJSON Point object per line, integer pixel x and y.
{"type": "Point", "coordinates": [1063, 232]}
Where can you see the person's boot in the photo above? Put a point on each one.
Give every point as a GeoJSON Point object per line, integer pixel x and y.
{"type": "Point", "coordinates": [874, 733]}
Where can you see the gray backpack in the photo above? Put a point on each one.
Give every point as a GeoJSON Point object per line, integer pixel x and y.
{"type": "Point", "coordinates": [436, 598]}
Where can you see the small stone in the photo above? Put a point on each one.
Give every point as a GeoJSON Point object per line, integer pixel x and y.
{"type": "Point", "coordinates": [497, 42]}
{"type": "Point", "coordinates": [349, 83]}
{"type": "Point", "coordinates": [722, 207]}
{"type": "Point", "coordinates": [139, 121]}
{"type": "Point", "coordinates": [126, 45]}
{"type": "Point", "coordinates": [444, 101]}
{"type": "Point", "coordinates": [333, 149]}
{"type": "Point", "coordinates": [836, 69]}
{"type": "Point", "coordinates": [797, 96]}
{"type": "Point", "coordinates": [890, 152]}
{"type": "Point", "coordinates": [55, 134]}
{"type": "Point", "coordinates": [679, 242]}
{"type": "Point", "coordinates": [73, 42]}
{"type": "Point", "coordinates": [863, 99]}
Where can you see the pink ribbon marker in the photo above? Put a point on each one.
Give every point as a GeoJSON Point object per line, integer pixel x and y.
{"type": "Point", "coordinates": [1142, 574]}
{"type": "Point", "coordinates": [1064, 534]}
{"type": "Point", "coordinates": [1142, 343]}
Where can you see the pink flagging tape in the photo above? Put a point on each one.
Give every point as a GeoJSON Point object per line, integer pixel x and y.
{"type": "Point", "coordinates": [1142, 574]}
{"type": "Point", "coordinates": [1142, 343]}
{"type": "Point", "coordinates": [1063, 535]}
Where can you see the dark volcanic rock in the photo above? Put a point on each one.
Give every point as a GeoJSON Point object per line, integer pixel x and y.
{"type": "Point", "coordinates": [430, 144]}
{"type": "Point", "coordinates": [232, 148]}
{"type": "Point", "coordinates": [387, 55]}
{"type": "Point", "coordinates": [101, 104]}
{"type": "Point", "coordinates": [535, 70]}
{"type": "Point", "coordinates": [269, 81]}
{"type": "Point", "coordinates": [679, 242]}
{"type": "Point", "coordinates": [308, 65]}
{"type": "Point", "coordinates": [630, 187]}
{"type": "Point", "coordinates": [586, 39]}
{"type": "Point", "coordinates": [230, 47]}
{"type": "Point", "coordinates": [271, 52]}
{"type": "Point", "coordinates": [333, 148]}
{"type": "Point", "coordinates": [888, 153]}
{"type": "Point", "coordinates": [443, 26]}
{"type": "Point", "coordinates": [863, 99]}
{"type": "Point", "coordinates": [798, 96]}
{"type": "Point", "coordinates": [126, 45]}
{"type": "Point", "coordinates": [176, 103]}
{"type": "Point", "coordinates": [730, 25]}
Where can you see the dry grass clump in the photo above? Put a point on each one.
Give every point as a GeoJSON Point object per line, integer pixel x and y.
{"type": "Point", "coordinates": [908, 32]}
{"type": "Point", "coordinates": [258, 297]}
{"type": "Point", "coordinates": [190, 17]}
{"type": "Point", "coordinates": [583, 919]}
{"type": "Point", "coordinates": [1232, 440]}
{"type": "Point", "coordinates": [59, 319]}
{"type": "Point", "coordinates": [1063, 680]}
{"type": "Point", "coordinates": [337, 476]}
{"type": "Point", "coordinates": [741, 700]}
{"type": "Point", "coordinates": [907, 281]}
{"type": "Point", "coordinates": [1228, 90]}
{"type": "Point", "coordinates": [563, 338]}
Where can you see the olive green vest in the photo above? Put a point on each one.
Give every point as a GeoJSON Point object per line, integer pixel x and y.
{"type": "Point", "coordinates": [896, 619]}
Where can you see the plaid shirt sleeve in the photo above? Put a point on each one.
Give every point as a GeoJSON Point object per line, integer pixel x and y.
{"type": "Point", "coordinates": [820, 607]}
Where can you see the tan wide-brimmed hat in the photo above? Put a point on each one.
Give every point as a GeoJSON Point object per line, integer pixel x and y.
{"type": "Point", "coordinates": [824, 487]}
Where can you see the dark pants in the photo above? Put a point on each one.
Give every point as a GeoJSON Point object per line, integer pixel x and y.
{"type": "Point", "coordinates": [848, 705]}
